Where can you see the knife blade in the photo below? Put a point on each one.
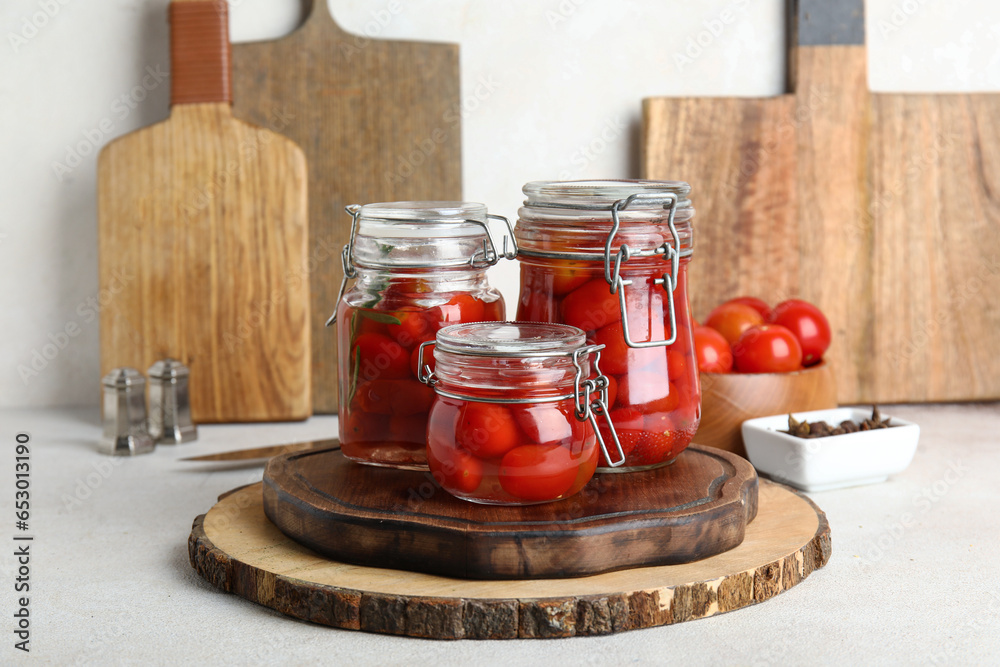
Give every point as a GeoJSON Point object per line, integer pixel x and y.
{"type": "Point", "coordinates": [266, 452]}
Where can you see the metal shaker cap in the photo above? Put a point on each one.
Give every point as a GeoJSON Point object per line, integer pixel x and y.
{"type": "Point", "coordinates": [169, 403]}
{"type": "Point", "coordinates": [125, 431]}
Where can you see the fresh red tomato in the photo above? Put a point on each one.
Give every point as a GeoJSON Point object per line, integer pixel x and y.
{"type": "Point", "coordinates": [381, 357]}
{"type": "Point", "coordinates": [414, 326]}
{"type": "Point", "coordinates": [460, 308]}
{"type": "Point", "coordinates": [487, 430]}
{"type": "Point", "coordinates": [617, 358]}
{"type": "Point", "coordinates": [647, 392]}
{"type": "Point", "coordinates": [591, 306]}
{"type": "Point", "coordinates": [768, 348]}
{"type": "Point", "coordinates": [538, 472]}
{"type": "Point", "coordinates": [713, 352]}
{"type": "Point", "coordinates": [459, 470]}
{"type": "Point", "coordinates": [732, 319]}
{"type": "Point", "coordinates": [757, 304]}
{"type": "Point", "coordinates": [808, 324]}
{"type": "Point", "coordinates": [415, 357]}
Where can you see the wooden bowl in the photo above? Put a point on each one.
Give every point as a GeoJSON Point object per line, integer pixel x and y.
{"type": "Point", "coordinates": [729, 399]}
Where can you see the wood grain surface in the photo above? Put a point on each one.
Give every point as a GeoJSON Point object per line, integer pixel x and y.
{"type": "Point", "coordinates": [890, 199]}
{"type": "Point", "coordinates": [236, 549]}
{"type": "Point", "coordinates": [729, 399]}
{"type": "Point", "coordinates": [697, 507]}
{"type": "Point", "coordinates": [378, 120]}
{"type": "Point", "coordinates": [202, 240]}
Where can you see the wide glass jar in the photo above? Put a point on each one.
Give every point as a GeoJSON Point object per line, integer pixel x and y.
{"type": "Point", "coordinates": [610, 257]}
{"type": "Point", "coordinates": [417, 267]}
{"type": "Point", "coordinates": [515, 419]}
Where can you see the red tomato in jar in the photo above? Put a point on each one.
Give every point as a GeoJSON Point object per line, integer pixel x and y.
{"type": "Point", "coordinates": [459, 469]}
{"type": "Point", "coordinates": [409, 432]}
{"type": "Point", "coordinates": [612, 390]}
{"type": "Point", "coordinates": [732, 319]}
{"type": "Point", "coordinates": [591, 306]}
{"type": "Point", "coordinates": [538, 472]}
{"type": "Point", "coordinates": [712, 351]}
{"type": "Point", "coordinates": [381, 357]}
{"type": "Point", "coordinates": [394, 397]}
{"type": "Point", "coordinates": [487, 430]}
{"type": "Point", "coordinates": [808, 324]}
{"type": "Point", "coordinates": [768, 348]}
{"type": "Point", "coordinates": [535, 306]}
{"type": "Point", "coordinates": [647, 392]}
{"type": "Point", "coordinates": [414, 326]}
{"type": "Point", "coordinates": [415, 358]}
{"type": "Point", "coordinates": [617, 358]}
{"type": "Point", "coordinates": [757, 304]}
{"type": "Point", "coordinates": [493, 311]}
{"type": "Point", "coordinates": [567, 278]}
{"type": "Point", "coordinates": [677, 364]}
{"type": "Point", "coordinates": [460, 308]}
{"type": "Point", "coordinates": [548, 424]}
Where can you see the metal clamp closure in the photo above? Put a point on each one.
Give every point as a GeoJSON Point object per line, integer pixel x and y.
{"type": "Point", "coordinates": [669, 250]}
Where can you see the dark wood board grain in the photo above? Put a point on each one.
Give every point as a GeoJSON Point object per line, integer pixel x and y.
{"type": "Point", "coordinates": [236, 549]}
{"type": "Point", "coordinates": [378, 120]}
{"type": "Point", "coordinates": [697, 507]}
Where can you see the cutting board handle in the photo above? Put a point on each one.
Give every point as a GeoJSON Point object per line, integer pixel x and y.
{"type": "Point", "coordinates": [200, 57]}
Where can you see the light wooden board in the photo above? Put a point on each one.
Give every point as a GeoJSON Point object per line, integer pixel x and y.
{"type": "Point", "coordinates": [203, 239]}
{"type": "Point", "coordinates": [378, 120]}
{"type": "Point", "coordinates": [888, 229]}
{"type": "Point", "coordinates": [239, 551]}
{"type": "Point", "coordinates": [696, 507]}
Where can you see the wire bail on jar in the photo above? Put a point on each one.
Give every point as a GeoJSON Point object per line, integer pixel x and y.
{"type": "Point", "coordinates": [585, 407]}
{"type": "Point", "coordinates": [483, 258]}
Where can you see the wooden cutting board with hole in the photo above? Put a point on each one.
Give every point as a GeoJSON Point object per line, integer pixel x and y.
{"type": "Point", "coordinates": [202, 226]}
{"type": "Point", "coordinates": [379, 121]}
{"type": "Point", "coordinates": [880, 208]}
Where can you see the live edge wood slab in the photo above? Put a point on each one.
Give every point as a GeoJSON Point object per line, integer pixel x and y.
{"type": "Point", "coordinates": [238, 550]}
{"type": "Point", "coordinates": [694, 508]}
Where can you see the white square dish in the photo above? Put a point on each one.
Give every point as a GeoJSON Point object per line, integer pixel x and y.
{"type": "Point", "coordinates": [832, 462]}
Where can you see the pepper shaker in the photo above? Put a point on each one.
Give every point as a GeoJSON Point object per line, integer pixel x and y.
{"type": "Point", "coordinates": [125, 432]}
{"type": "Point", "coordinates": [170, 405]}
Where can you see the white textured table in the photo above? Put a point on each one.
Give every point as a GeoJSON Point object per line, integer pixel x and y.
{"type": "Point", "coordinates": [914, 577]}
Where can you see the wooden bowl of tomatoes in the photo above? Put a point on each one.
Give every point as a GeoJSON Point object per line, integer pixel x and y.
{"type": "Point", "coordinates": [757, 361]}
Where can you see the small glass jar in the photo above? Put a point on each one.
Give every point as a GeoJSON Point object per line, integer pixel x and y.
{"type": "Point", "coordinates": [610, 257]}
{"type": "Point", "coordinates": [418, 266]}
{"type": "Point", "coordinates": [515, 419]}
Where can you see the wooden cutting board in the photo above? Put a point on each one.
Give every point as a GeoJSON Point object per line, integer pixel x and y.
{"type": "Point", "coordinates": [880, 208]}
{"type": "Point", "coordinates": [378, 120]}
{"type": "Point", "coordinates": [203, 241]}
{"type": "Point", "coordinates": [696, 507]}
{"type": "Point", "coordinates": [237, 550]}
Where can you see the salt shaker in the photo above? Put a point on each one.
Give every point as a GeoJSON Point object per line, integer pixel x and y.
{"type": "Point", "coordinates": [125, 431]}
{"type": "Point", "coordinates": [169, 403]}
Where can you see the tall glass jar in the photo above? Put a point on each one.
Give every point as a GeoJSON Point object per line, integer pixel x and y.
{"type": "Point", "coordinates": [418, 266]}
{"type": "Point", "coordinates": [610, 257]}
{"type": "Point", "coordinates": [515, 421]}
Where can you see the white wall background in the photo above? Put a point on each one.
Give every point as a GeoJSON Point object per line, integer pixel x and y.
{"type": "Point", "coordinates": [569, 77]}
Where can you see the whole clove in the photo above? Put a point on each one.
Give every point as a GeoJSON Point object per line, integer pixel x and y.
{"type": "Point", "coordinates": [820, 429]}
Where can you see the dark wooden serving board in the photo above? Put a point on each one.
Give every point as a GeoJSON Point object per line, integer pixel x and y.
{"type": "Point", "coordinates": [236, 549]}
{"type": "Point", "coordinates": [697, 507]}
